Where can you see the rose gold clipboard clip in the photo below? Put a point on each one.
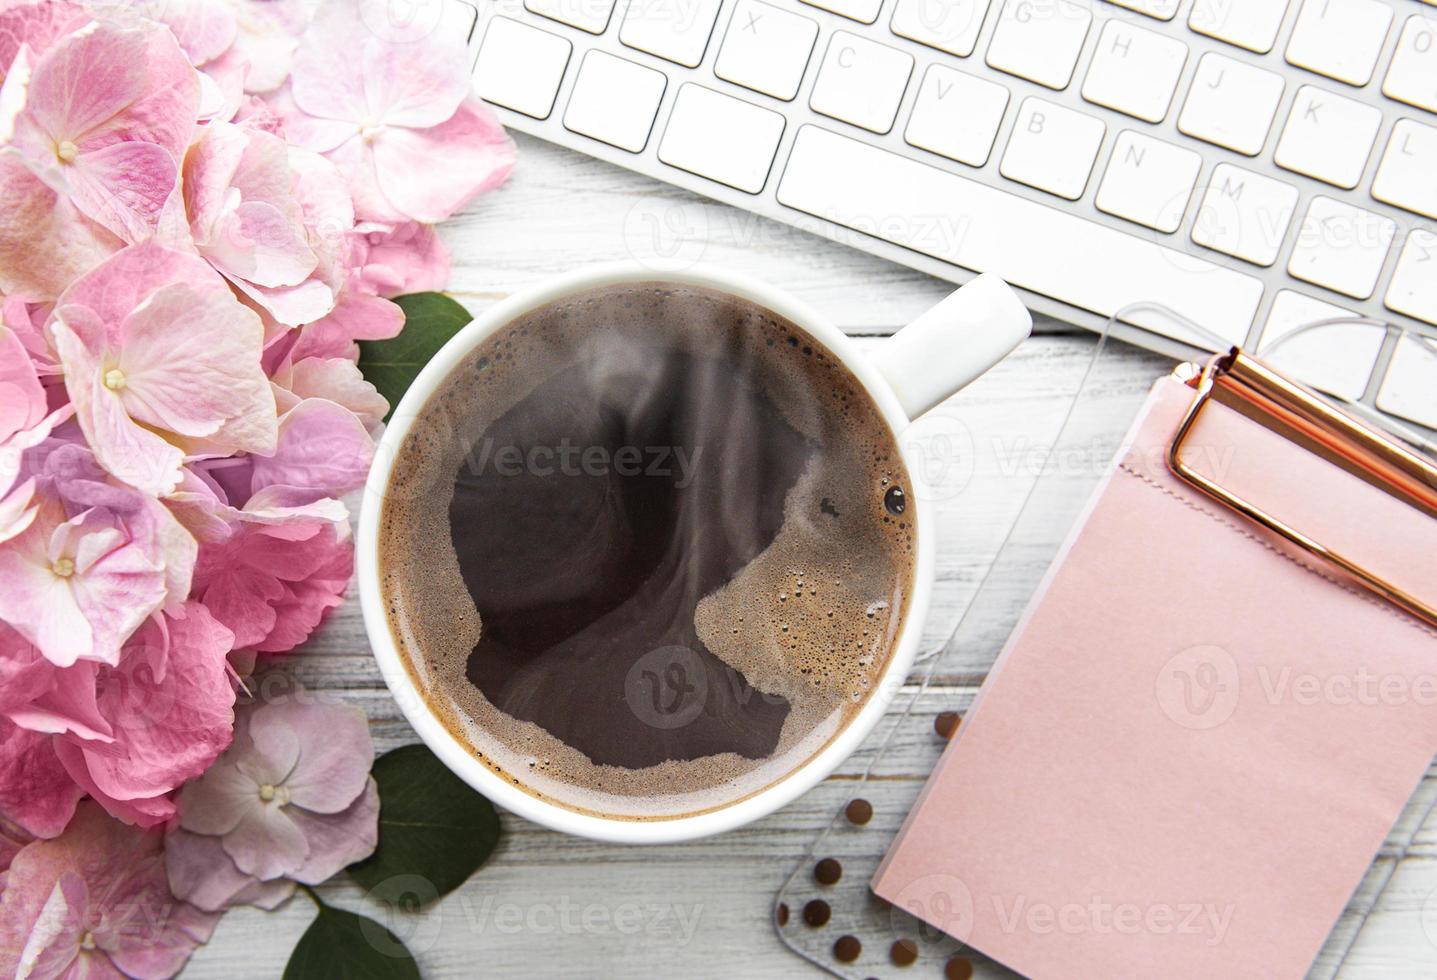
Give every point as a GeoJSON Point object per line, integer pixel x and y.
{"type": "Point", "coordinates": [1245, 384]}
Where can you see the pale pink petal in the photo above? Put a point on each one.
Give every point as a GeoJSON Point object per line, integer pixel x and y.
{"type": "Point", "coordinates": [191, 361]}
{"type": "Point", "coordinates": [86, 79]}
{"type": "Point", "coordinates": [209, 169]}
{"type": "Point", "coordinates": [339, 380]}
{"type": "Point", "coordinates": [269, 33]}
{"type": "Point", "coordinates": [292, 305]}
{"type": "Point", "coordinates": [217, 801]}
{"type": "Point", "coordinates": [53, 947]}
{"type": "Point", "coordinates": [409, 84]}
{"type": "Point", "coordinates": [427, 175]}
{"type": "Point", "coordinates": [201, 873]}
{"type": "Point", "coordinates": [242, 598]}
{"type": "Point", "coordinates": [22, 399]}
{"type": "Point", "coordinates": [36, 24]}
{"type": "Point", "coordinates": [45, 243]}
{"type": "Point", "coordinates": [161, 110]}
{"type": "Point", "coordinates": [112, 290]}
{"type": "Point", "coordinates": [38, 603]}
{"type": "Point", "coordinates": [338, 840]}
{"type": "Point", "coordinates": [327, 74]}
{"type": "Point", "coordinates": [35, 791]}
{"type": "Point", "coordinates": [357, 316]}
{"type": "Point", "coordinates": [266, 843]}
{"type": "Point", "coordinates": [321, 447]}
{"type": "Point", "coordinates": [261, 244]}
{"type": "Point", "coordinates": [124, 187]}
{"type": "Point", "coordinates": [399, 259]}
{"type": "Point", "coordinates": [68, 705]}
{"type": "Point", "coordinates": [136, 455]}
{"type": "Point", "coordinates": [204, 28]}
{"type": "Point", "coordinates": [335, 750]}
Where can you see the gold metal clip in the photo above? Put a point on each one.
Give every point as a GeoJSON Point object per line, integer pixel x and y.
{"type": "Point", "coordinates": [1239, 381]}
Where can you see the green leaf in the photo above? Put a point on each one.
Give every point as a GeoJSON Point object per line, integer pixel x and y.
{"type": "Point", "coordinates": [340, 945]}
{"type": "Point", "coordinates": [391, 365]}
{"type": "Point", "coordinates": [434, 831]}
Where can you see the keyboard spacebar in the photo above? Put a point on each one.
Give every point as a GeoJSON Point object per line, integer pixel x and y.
{"type": "Point", "coordinates": [986, 230]}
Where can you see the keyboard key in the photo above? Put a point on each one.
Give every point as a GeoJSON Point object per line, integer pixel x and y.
{"type": "Point", "coordinates": [721, 138]}
{"type": "Point", "coordinates": [948, 25]}
{"type": "Point", "coordinates": [1057, 254]}
{"type": "Point", "coordinates": [1148, 181]}
{"type": "Point", "coordinates": [1337, 359]}
{"type": "Point", "coordinates": [1340, 38]}
{"type": "Point", "coordinates": [1412, 77]}
{"type": "Point", "coordinates": [1244, 214]}
{"type": "Point", "coordinates": [956, 115]}
{"type": "Point", "coordinates": [1161, 9]}
{"type": "Point", "coordinates": [1231, 104]}
{"type": "Point", "coordinates": [520, 67]}
{"type": "Point", "coordinates": [675, 30]}
{"type": "Point", "coordinates": [766, 49]}
{"type": "Point", "coordinates": [1410, 387]}
{"type": "Point", "coordinates": [1413, 289]}
{"type": "Point", "coordinates": [1328, 137]}
{"type": "Point", "coordinates": [861, 82]}
{"type": "Point", "coordinates": [863, 11]}
{"type": "Point", "coordinates": [1052, 148]}
{"type": "Point", "coordinates": [1341, 247]}
{"type": "Point", "coordinates": [1407, 176]}
{"type": "Point", "coordinates": [614, 101]}
{"type": "Point", "coordinates": [1135, 71]}
{"type": "Point", "coordinates": [1039, 40]}
{"type": "Point", "coordinates": [586, 15]}
{"type": "Point", "coordinates": [1251, 24]}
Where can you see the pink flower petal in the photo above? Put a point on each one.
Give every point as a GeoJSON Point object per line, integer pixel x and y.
{"type": "Point", "coordinates": [124, 187]}
{"type": "Point", "coordinates": [305, 602]}
{"type": "Point", "coordinates": [170, 703]}
{"type": "Point", "coordinates": [190, 359]}
{"type": "Point", "coordinates": [201, 873]}
{"type": "Point", "coordinates": [35, 791]}
{"type": "Point", "coordinates": [407, 84]}
{"type": "Point", "coordinates": [147, 812]}
{"type": "Point", "coordinates": [113, 878]}
{"type": "Point", "coordinates": [338, 380]}
{"type": "Point", "coordinates": [217, 801]}
{"type": "Point", "coordinates": [321, 447]}
{"type": "Point", "coordinates": [335, 750]}
{"type": "Point", "coordinates": [267, 843]}
{"type": "Point", "coordinates": [45, 242]}
{"type": "Point", "coordinates": [357, 316]}
{"type": "Point", "coordinates": [36, 24]}
{"type": "Point", "coordinates": [338, 840]}
{"type": "Point", "coordinates": [261, 244]}
{"type": "Point", "coordinates": [427, 175]}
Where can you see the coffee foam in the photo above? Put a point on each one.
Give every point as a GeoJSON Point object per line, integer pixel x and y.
{"type": "Point", "coordinates": [812, 619]}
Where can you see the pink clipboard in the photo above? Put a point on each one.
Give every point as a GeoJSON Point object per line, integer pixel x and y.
{"type": "Point", "coordinates": [1208, 807]}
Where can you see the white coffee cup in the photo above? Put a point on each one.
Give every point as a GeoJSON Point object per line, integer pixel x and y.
{"type": "Point", "coordinates": [920, 366]}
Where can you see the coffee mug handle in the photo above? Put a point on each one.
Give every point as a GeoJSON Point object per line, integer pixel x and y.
{"type": "Point", "coordinates": [943, 350]}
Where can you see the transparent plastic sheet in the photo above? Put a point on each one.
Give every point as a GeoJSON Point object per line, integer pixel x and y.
{"type": "Point", "coordinates": [1051, 445]}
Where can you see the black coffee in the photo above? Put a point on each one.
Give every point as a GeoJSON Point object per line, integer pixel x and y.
{"type": "Point", "coordinates": [647, 549]}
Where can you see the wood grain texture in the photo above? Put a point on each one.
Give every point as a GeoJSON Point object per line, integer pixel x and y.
{"type": "Point", "coordinates": [553, 906]}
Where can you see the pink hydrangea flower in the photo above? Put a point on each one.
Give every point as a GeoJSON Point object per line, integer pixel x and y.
{"type": "Point", "coordinates": [396, 117]}
{"type": "Point", "coordinates": [391, 260]}
{"type": "Point", "coordinates": [87, 168]}
{"type": "Point", "coordinates": [161, 360]}
{"type": "Point", "coordinates": [95, 902]}
{"type": "Point", "coordinates": [291, 798]}
{"type": "Point", "coordinates": [330, 379]}
{"type": "Point", "coordinates": [169, 704]}
{"type": "Point", "coordinates": [247, 219]}
{"type": "Point", "coordinates": [35, 790]}
{"type": "Point", "coordinates": [25, 422]}
{"type": "Point", "coordinates": [95, 562]}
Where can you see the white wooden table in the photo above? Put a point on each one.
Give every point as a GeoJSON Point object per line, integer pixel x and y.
{"type": "Point", "coordinates": [547, 905]}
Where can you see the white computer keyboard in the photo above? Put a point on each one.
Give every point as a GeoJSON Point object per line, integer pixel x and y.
{"type": "Point", "coordinates": [1251, 164]}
